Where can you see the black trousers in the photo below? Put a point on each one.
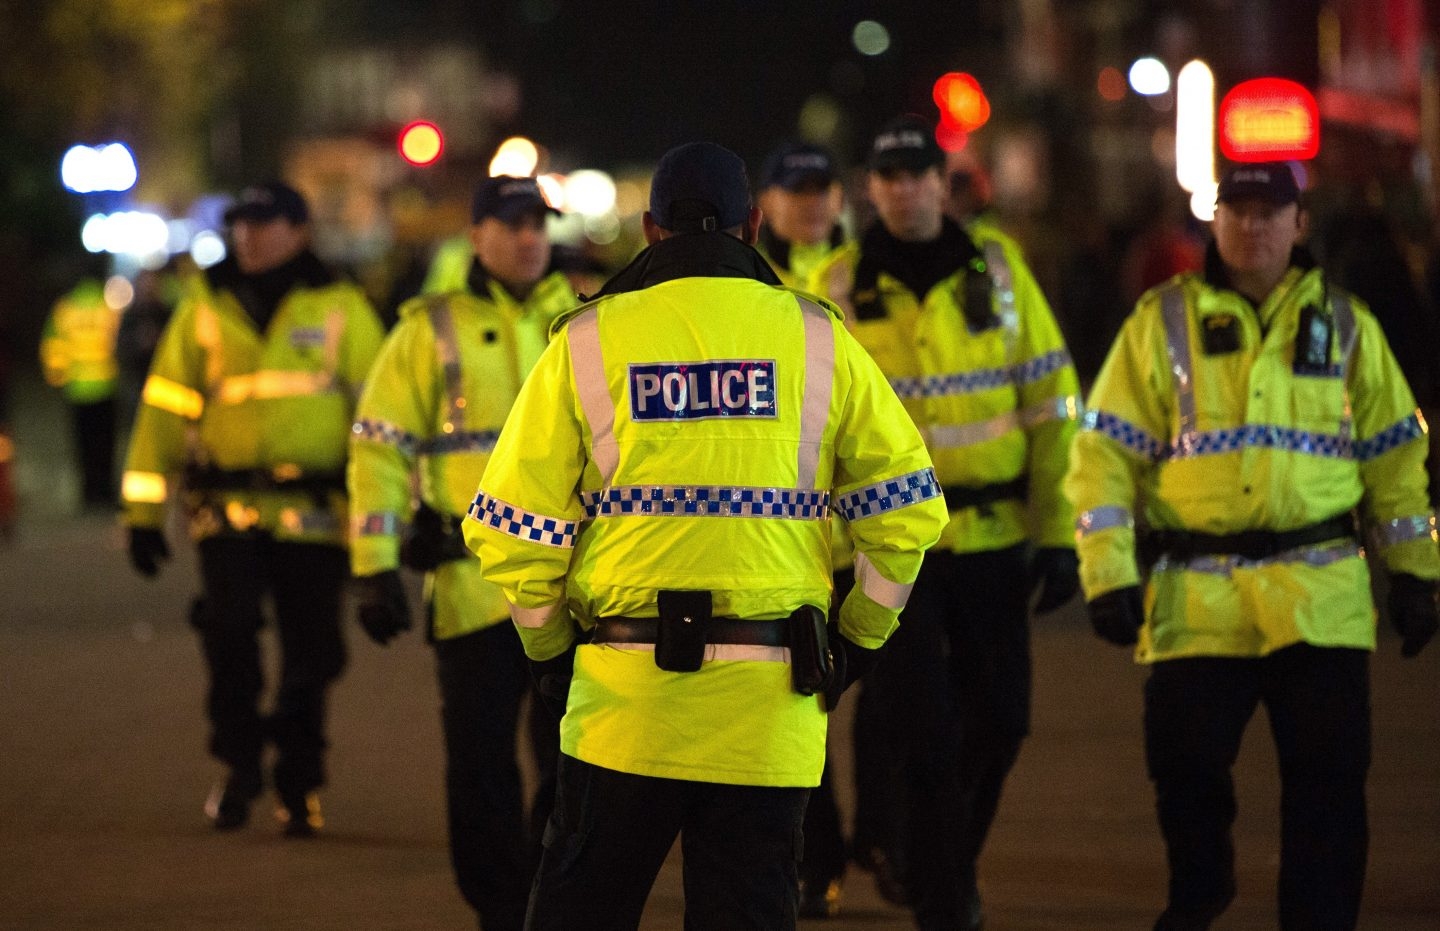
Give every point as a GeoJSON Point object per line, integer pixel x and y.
{"type": "Point", "coordinates": [610, 833]}
{"type": "Point", "coordinates": [952, 694]}
{"type": "Point", "coordinates": [94, 427]}
{"type": "Point", "coordinates": [1318, 702]}
{"type": "Point", "coordinates": [484, 680]}
{"type": "Point", "coordinates": [304, 581]}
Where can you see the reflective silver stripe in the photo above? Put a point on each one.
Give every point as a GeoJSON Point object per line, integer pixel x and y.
{"type": "Point", "coordinates": [375, 524]}
{"type": "Point", "coordinates": [819, 383]}
{"type": "Point", "coordinates": [1177, 345]}
{"type": "Point", "coordinates": [877, 588]}
{"type": "Point", "coordinates": [1344, 316]}
{"type": "Point", "coordinates": [1315, 556]}
{"type": "Point", "coordinates": [447, 350]}
{"type": "Point", "coordinates": [1103, 518]}
{"type": "Point", "coordinates": [532, 618]}
{"type": "Point", "coordinates": [1405, 529]}
{"type": "Point", "coordinates": [522, 524]}
{"type": "Point", "coordinates": [588, 363]}
{"type": "Point", "coordinates": [295, 520]}
{"type": "Point", "coordinates": [714, 651]}
{"type": "Point", "coordinates": [464, 441]}
{"type": "Point", "coordinates": [956, 436]}
{"type": "Point", "coordinates": [999, 267]}
{"type": "Point", "coordinates": [334, 332]}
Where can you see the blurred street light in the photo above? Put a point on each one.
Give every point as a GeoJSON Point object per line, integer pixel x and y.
{"type": "Point", "coordinates": [421, 143]}
{"type": "Point", "coordinates": [86, 170]}
{"type": "Point", "coordinates": [1149, 77]}
{"type": "Point", "coordinates": [516, 156]}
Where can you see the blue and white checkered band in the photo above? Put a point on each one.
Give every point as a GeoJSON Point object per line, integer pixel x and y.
{"type": "Point", "coordinates": [1261, 436]}
{"type": "Point", "coordinates": [888, 495]}
{"type": "Point", "coordinates": [521, 524]}
{"type": "Point", "coordinates": [1397, 434]}
{"type": "Point", "coordinates": [463, 441]}
{"type": "Point", "coordinates": [1123, 432]}
{"type": "Point", "coordinates": [672, 391]}
{"type": "Point", "coordinates": [307, 337]}
{"type": "Point", "coordinates": [936, 386]}
{"type": "Point", "coordinates": [379, 431]}
{"type": "Point", "coordinates": [705, 501]}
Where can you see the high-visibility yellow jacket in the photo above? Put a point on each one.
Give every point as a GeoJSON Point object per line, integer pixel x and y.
{"type": "Point", "coordinates": [1200, 417]}
{"type": "Point", "coordinates": [78, 345]}
{"type": "Point", "coordinates": [693, 428]}
{"type": "Point", "coordinates": [222, 397]}
{"type": "Point", "coordinates": [435, 401]}
{"type": "Point", "coordinates": [996, 406]}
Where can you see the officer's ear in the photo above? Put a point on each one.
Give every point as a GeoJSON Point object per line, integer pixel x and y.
{"type": "Point", "coordinates": [750, 232]}
{"type": "Point", "coordinates": [653, 231]}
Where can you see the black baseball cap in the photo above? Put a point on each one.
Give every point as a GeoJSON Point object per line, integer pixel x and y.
{"type": "Point", "coordinates": [699, 187]}
{"type": "Point", "coordinates": [796, 164]}
{"type": "Point", "coordinates": [906, 142]}
{"type": "Point", "coordinates": [267, 202]}
{"type": "Point", "coordinates": [1273, 182]}
{"type": "Point", "coordinates": [507, 198]}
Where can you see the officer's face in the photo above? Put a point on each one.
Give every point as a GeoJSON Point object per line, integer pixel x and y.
{"type": "Point", "coordinates": [1254, 237]}
{"type": "Point", "coordinates": [514, 252]}
{"type": "Point", "coordinates": [804, 215]}
{"type": "Point", "coordinates": [909, 202]}
{"type": "Point", "coordinates": [261, 245]}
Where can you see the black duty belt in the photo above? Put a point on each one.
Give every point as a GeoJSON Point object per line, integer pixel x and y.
{"type": "Point", "coordinates": [958, 497]}
{"type": "Point", "coordinates": [206, 478]}
{"type": "Point", "coordinates": [731, 630]}
{"type": "Point", "coordinates": [1183, 545]}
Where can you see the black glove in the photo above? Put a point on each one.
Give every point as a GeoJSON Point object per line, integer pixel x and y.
{"type": "Point", "coordinates": [1117, 615]}
{"type": "Point", "coordinates": [381, 605]}
{"type": "Point", "coordinates": [1413, 611]}
{"type": "Point", "coordinates": [148, 550]}
{"type": "Point", "coordinates": [1055, 571]}
{"type": "Point", "coordinates": [849, 662]}
{"type": "Point", "coordinates": [552, 680]}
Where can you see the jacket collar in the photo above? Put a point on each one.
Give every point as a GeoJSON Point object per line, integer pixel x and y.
{"type": "Point", "coordinates": [1217, 277]}
{"type": "Point", "coordinates": [692, 255]}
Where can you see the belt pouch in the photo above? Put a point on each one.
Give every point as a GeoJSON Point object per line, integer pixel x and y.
{"type": "Point", "coordinates": [681, 634]}
{"type": "Point", "coordinates": [811, 663]}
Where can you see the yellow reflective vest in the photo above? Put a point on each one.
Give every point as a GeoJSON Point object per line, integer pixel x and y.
{"type": "Point", "coordinates": [693, 428]}
{"type": "Point", "coordinates": [996, 406]}
{"type": "Point", "coordinates": [1200, 421]}
{"type": "Point", "coordinates": [434, 402]}
{"type": "Point", "coordinates": [77, 347]}
{"type": "Point", "coordinates": [272, 411]}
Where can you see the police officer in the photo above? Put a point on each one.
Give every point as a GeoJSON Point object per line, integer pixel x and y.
{"type": "Point", "coordinates": [77, 350]}
{"type": "Point", "coordinates": [800, 202]}
{"type": "Point", "coordinates": [251, 394]}
{"type": "Point", "coordinates": [656, 514]}
{"type": "Point", "coordinates": [435, 402]}
{"type": "Point", "coordinates": [959, 326]}
{"type": "Point", "coordinates": [1253, 408]}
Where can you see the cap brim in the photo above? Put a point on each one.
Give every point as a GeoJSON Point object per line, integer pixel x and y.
{"type": "Point", "coordinates": [1261, 192]}
{"type": "Point", "coordinates": [795, 180]}
{"type": "Point", "coordinates": [251, 212]}
{"type": "Point", "coordinates": [906, 159]}
{"type": "Point", "coordinates": [516, 207]}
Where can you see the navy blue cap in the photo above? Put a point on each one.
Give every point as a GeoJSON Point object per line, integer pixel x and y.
{"type": "Point", "coordinates": [507, 198]}
{"type": "Point", "coordinates": [796, 164]}
{"type": "Point", "coordinates": [906, 142]}
{"type": "Point", "coordinates": [268, 201]}
{"type": "Point", "coordinates": [1268, 181]}
{"type": "Point", "coordinates": [699, 187]}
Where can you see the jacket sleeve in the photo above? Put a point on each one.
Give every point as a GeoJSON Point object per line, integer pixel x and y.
{"type": "Point", "coordinates": [526, 513]}
{"type": "Point", "coordinates": [395, 413]}
{"type": "Point", "coordinates": [173, 398]}
{"type": "Point", "coordinates": [1125, 424]}
{"type": "Point", "coordinates": [1391, 445]}
{"type": "Point", "coordinates": [886, 492]}
{"type": "Point", "coordinates": [363, 335]}
{"type": "Point", "coordinates": [1049, 407]}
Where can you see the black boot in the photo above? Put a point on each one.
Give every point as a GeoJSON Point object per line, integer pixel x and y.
{"type": "Point", "coordinates": [228, 806]}
{"type": "Point", "coordinates": [299, 812]}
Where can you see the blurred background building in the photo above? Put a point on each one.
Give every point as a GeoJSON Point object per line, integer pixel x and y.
{"type": "Point", "coordinates": [1063, 112]}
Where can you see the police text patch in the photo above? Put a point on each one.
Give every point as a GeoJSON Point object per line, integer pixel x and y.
{"type": "Point", "coordinates": [701, 390]}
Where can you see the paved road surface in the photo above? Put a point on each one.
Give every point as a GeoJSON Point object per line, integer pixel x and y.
{"type": "Point", "coordinates": [102, 772]}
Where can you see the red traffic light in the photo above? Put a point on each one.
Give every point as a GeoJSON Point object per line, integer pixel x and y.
{"type": "Point", "coordinates": [963, 105]}
{"type": "Point", "coordinates": [421, 143]}
{"type": "Point", "coordinates": [1269, 119]}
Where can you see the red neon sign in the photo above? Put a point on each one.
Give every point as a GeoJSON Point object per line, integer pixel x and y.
{"type": "Point", "coordinates": [1267, 120]}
